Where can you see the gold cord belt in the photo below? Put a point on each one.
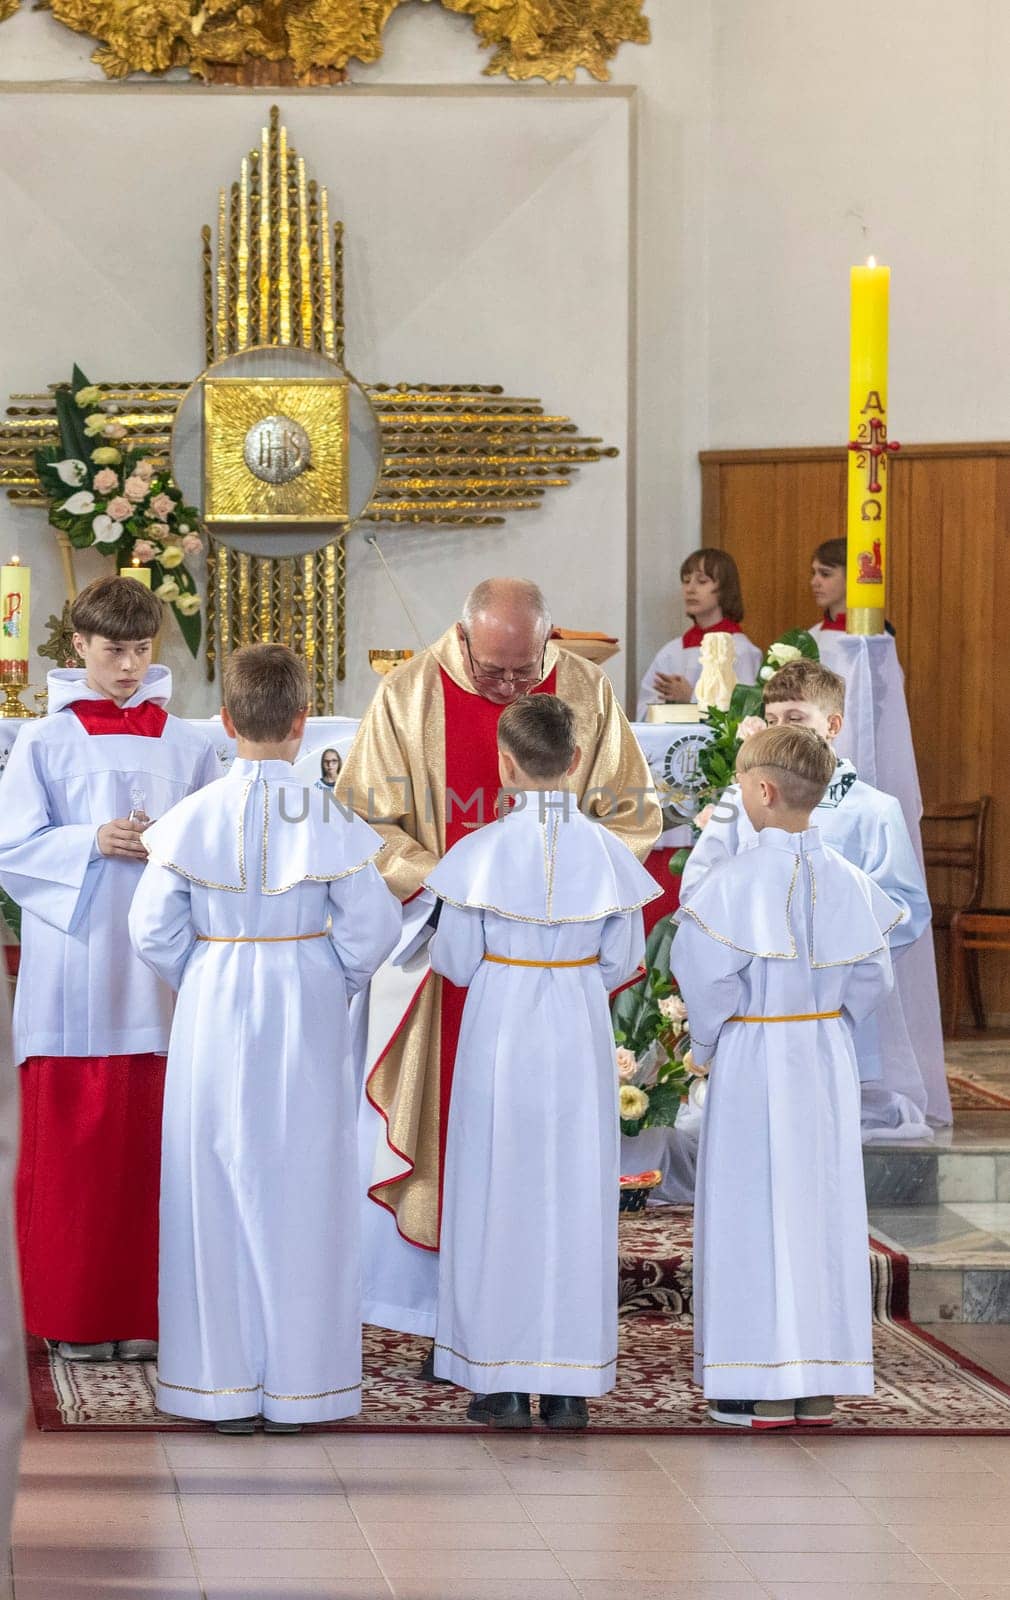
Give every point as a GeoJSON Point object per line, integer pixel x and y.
{"type": "Point", "coordinates": [510, 961]}
{"type": "Point", "coordinates": [277, 938]}
{"type": "Point", "coordinates": [806, 1016]}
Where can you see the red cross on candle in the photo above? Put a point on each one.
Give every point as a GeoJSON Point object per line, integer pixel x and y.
{"type": "Point", "coordinates": [874, 448]}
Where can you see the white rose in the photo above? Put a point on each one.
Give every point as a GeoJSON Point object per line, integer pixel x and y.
{"type": "Point", "coordinates": [766, 673]}
{"type": "Point", "coordinates": [627, 1066]}
{"type": "Point", "coordinates": [71, 472]}
{"type": "Point", "coordinates": [105, 530]}
{"type": "Point", "coordinates": [188, 604]}
{"type": "Point", "coordinates": [169, 590]}
{"type": "Point", "coordinates": [781, 653]}
{"type": "Point", "coordinates": [79, 504]}
{"type": "Point", "coordinates": [674, 1008]}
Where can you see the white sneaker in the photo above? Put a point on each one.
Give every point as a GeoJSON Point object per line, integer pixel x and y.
{"type": "Point", "coordinates": [137, 1350]}
{"type": "Point", "coordinates": [85, 1352]}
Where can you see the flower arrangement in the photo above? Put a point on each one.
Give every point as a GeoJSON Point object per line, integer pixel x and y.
{"type": "Point", "coordinates": [122, 502]}
{"type": "Point", "coordinates": [653, 1043]}
{"type": "Point", "coordinates": [717, 760]}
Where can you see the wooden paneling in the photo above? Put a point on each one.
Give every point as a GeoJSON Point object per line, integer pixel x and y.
{"type": "Point", "coordinates": [949, 600]}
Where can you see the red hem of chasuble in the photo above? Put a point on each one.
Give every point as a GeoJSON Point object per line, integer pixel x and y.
{"type": "Point", "coordinates": [87, 1196]}
{"type": "Point", "coordinates": [657, 864]}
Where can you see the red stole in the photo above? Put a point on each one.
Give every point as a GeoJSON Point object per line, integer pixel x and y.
{"type": "Point", "coordinates": [691, 640]}
{"type": "Point", "coordinates": [104, 716]}
{"type": "Point", "coordinates": [471, 798]}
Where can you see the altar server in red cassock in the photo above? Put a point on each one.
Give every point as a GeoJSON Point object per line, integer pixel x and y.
{"type": "Point", "coordinates": [91, 1022]}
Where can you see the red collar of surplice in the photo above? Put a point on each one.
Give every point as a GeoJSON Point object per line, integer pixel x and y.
{"type": "Point", "coordinates": [694, 635]}
{"type": "Point", "coordinates": [146, 721]}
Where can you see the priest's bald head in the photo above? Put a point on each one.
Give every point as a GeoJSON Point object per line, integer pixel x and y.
{"type": "Point", "coordinates": [503, 635]}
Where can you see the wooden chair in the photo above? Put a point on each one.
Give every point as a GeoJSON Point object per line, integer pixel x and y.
{"type": "Point", "coordinates": [954, 839]}
{"type": "Point", "coordinates": [970, 932]}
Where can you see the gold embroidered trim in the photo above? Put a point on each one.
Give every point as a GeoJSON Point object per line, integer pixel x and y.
{"type": "Point", "coordinates": [807, 1361]}
{"type": "Point", "coordinates": [187, 1388]}
{"type": "Point", "coordinates": [322, 1394]}
{"type": "Point", "coordinates": [542, 922]}
{"type": "Point", "coordinates": [850, 961]}
{"type": "Point", "coordinates": [567, 1366]}
{"type": "Point", "coordinates": [763, 955]}
{"type": "Point", "coordinates": [256, 1388]}
{"type": "Point", "coordinates": [205, 883]}
{"type": "Point", "coordinates": [307, 877]}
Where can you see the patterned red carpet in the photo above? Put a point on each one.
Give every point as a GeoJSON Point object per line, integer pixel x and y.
{"type": "Point", "coordinates": [922, 1387]}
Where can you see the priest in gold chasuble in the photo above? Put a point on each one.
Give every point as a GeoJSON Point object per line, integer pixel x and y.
{"type": "Point", "coordinates": [424, 771]}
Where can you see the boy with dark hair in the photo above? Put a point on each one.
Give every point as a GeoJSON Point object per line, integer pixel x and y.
{"type": "Point", "coordinates": [712, 597]}
{"type": "Point", "coordinates": [541, 918]}
{"type": "Point", "coordinates": [778, 954]}
{"type": "Point", "coordinates": [91, 1022]}
{"type": "Point", "coordinates": [828, 584]}
{"type": "Point", "coordinates": [262, 906]}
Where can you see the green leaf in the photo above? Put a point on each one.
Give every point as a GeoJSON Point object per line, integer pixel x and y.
{"type": "Point", "coordinates": [10, 911]}
{"type": "Point", "coordinates": [71, 420]}
{"type": "Point", "coordinates": [678, 861]}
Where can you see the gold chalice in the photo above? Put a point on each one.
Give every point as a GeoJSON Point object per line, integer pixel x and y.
{"type": "Point", "coordinates": [383, 661]}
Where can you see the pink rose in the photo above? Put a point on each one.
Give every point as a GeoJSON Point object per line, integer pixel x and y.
{"type": "Point", "coordinates": [158, 530]}
{"type": "Point", "coordinates": [106, 480]}
{"type": "Point", "coordinates": [750, 726]}
{"type": "Point", "coordinates": [627, 1065]}
{"type": "Point", "coordinates": [120, 508]}
{"type": "Point", "coordinates": [162, 505]}
{"type": "Point", "coordinates": [704, 817]}
{"type": "Point", "coordinates": [136, 488]}
{"type": "Point", "coordinates": [192, 544]}
{"type": "Point", "coordinates": [114, 430]}
{"type": "Point", "coordinates": [144, 550]}
{"type": "Point", "coordinates": [145, 469]}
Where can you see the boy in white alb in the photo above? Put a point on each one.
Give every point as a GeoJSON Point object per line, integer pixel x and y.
{"type": "Point", "coordinates": [262, 906]}
{"type": "Point", "coordinates": [778, 954]}
{"type": "Point", "coordinates": [712, 599]}
{"type": "Point", "coordinates": [541, 917]}
{"type": "Point", "coordinates": [868, 828]}
{"type": "Point", "coordinates": [91, 1022]}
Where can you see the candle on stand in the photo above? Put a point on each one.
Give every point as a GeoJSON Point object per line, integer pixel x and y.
{"type": "Point", "coordinates": [136, 570]}
{"type": "Point", "coordinates": [15, 597]}
{"type": "Point", "coordinates": [869, 449]}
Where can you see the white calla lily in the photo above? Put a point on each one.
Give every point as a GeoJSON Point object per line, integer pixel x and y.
{"type": "Point", "coordinates": [71, 472]}
{"type": "Point", "coordinates": [79, 504]}
{"type": "Point", "coordinates": [105, 530]}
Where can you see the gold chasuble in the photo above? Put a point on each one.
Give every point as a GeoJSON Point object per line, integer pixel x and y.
{"type": "Point", "coordinates": [424, 771]}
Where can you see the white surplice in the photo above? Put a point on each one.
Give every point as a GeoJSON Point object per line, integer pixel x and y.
{"type": "Point", "coordinates": [676, 657]}
{"type": "Point", "coordinates": [12, 1349]}
{"type": "Point", "coordinates": [781, 1264]}
{"type": "Point", "coordinates": [259, 1287]}
{"type": "Point", "coordinates": [527, 1289]}
{"type": "Point", "coordinates": [868, 828]}
{"type": "Point", "coordinates": [83, 992]}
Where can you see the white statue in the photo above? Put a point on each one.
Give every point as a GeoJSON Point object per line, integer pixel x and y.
{"type": "Point", "coordinates": [718, 672]}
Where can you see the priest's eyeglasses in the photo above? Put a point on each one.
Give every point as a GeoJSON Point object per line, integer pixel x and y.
{"type": "Point", "coordinates": [529, 672]}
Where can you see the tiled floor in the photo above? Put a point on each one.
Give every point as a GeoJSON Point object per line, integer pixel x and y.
{"type": "Point", "coordinates": [513, 1518]}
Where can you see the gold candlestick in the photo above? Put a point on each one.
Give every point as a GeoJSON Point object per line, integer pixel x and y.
{"type": "Point", "coordinates": [383, 661]}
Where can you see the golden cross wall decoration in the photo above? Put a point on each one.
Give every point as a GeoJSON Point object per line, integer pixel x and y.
{"type": "Point", "coordinates": [457, 455]}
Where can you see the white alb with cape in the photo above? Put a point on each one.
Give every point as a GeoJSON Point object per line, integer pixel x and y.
{"type": "Point", "coordinates": [868, 828]}
{"type": "Point", "coordinates": [259, 1287]}
{"type": "Point", "coordinates": [788, 930]}
{"type": "Point", "coordinates": [88, 994]}
{"type": "Point", "coordinates": [527, 1292]}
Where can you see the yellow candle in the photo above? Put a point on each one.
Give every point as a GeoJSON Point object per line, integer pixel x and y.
{"type": "Point", "coordinates": [135, 570]}
{"type": "Point", "coordinates": [869, 450]}
{"type": "Point", "coordinates": [15, 596]}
